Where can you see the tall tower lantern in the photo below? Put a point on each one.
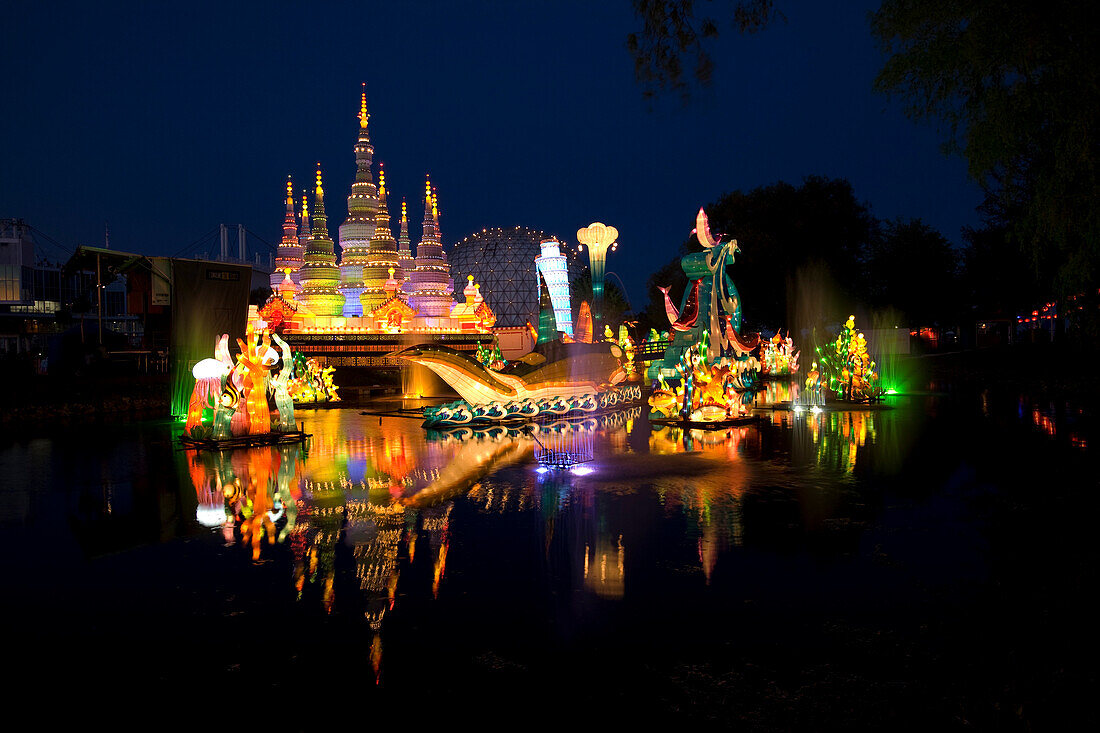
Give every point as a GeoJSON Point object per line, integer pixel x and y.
{"type": "Point", "coordinates": [552, 265]}
{"type": "Point", "coordinates": [357, 230]}
{"type": "Point", "coordinates": [383, 262]}
{"type": "Point", "coordinates": [289, 254]}
{"type": "Point", "coordinates": [599, 239]}
{"type": "Point", "coordinates": [319, 275]}
{"type": "Point", "coordinates": [431, 280]}
{"type": "Point", "coordinates": [404, 252]}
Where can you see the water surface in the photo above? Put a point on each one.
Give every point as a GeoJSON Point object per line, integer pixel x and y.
{"type": "Point", "coordinates": [925, 564]}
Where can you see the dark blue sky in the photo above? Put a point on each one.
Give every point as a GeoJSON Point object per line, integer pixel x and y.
{"type": "Point", "coordinates": [167, 119]}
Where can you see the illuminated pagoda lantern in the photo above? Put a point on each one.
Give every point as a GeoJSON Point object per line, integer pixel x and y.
{"type": "Point", "coordinates": [393, 313]}
{"type": "Point", "coordinates": [552, 264]}
{"type": "Point", "coordinates": [357, 230]}
{"type": "Point", "coordinates": [288, 257]}
{"type": "Point", "coordinates": [356, 311]}
{"type": "Point", "coordinates": [319, 275]}
{"type": "Point", "coordinates": [405, 259]}
{"type": "Point", "coordinates": [431, 285]}
{"type": "Point", "coordinates": [382, 257]}
{"type": "Point", "coordinates": [474, 312]}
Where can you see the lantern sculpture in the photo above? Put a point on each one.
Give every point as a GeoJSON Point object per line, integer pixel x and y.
{"type": "Point", "coordinates": [778, 357]}
{"type": "Point", "coordinates": [847, 368]}
{"type": "Point", "coordinates": [313, 382]}
{"type": "Point", "coordinates": [231, 400]}
{"type": "Point", "coordinates": [598, 238]}
{"type": "Point", "coordinates": [255, 360]}
{"type": "Point", "coordinates": [709, 372]}
{"type": "Point", "coordinates": [280, 385]}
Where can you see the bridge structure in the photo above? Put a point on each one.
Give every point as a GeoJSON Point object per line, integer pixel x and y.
{"type": "Point", "coordinates": [233, 244]}
{"type": "Point", "coordinates": [372, 350]}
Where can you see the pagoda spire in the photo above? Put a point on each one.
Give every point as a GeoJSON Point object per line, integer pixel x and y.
{"type": "Point", "coordinates": [304, 225]}
{"type": "Point", "coordinates": [404, 252]}
{"type": "Point", "coordinates": [364, 116]}
{"type": "Point", "coordinates": [431, 215]}
{"type": "Point", "coordinates": [358, 228]}
{"type": "Point", "coordinates": [382, 256]}
{"type": "Point", "coordinates": [319, 274]}
{"type": "Point", "coordinates": [320, 221]}
{"type": "Point", "coordinates": [431, 284]}
{"type": "Point", "coordinates": [288, 256]}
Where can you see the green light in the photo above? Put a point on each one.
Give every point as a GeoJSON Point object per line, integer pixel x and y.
{"type": "Point", "coordinates": [891, 391]}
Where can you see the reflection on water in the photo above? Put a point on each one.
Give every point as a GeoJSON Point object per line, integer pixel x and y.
{"type": "Point", "coordinates": [374, 515]}
{"type": "Point", "coordinates": [1047, 415]}
{"type": "Point", "coordinates": [834, 439]}
{"type": "Point", "coordinates": [777, 391]}
{"type": "Point", "coordinates": [386, 496]}
{"type": "Point", "coordinates": [446, 562]}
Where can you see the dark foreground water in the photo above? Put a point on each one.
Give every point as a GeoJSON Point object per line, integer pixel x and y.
{"type": "Point", "coordinates": [926, 567]}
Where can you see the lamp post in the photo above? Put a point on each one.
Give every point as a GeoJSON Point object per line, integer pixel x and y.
{"type": "Point", "coordinates": [598, 238]}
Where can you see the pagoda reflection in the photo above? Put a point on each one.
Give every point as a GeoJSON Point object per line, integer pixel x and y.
{"type": "Point", "coordinates": [365, 514]}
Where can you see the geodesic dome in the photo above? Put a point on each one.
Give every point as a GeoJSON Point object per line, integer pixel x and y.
{"type": "Point", "coordinates": [502, 261]}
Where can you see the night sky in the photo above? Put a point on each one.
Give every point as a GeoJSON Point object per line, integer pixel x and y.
{"type": "Point", "coordinates": [167, 119]}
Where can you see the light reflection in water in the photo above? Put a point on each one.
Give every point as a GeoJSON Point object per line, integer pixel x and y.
{"type": "Point", "coordinates": [833, 439]}
{"type": "Point", "coordinates": [385, 497]}
{"type": "Point", "coordinates": [778, 391]}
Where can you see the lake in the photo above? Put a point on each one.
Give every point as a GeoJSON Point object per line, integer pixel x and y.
{"type": "Point", "coordinates": [930, 564]}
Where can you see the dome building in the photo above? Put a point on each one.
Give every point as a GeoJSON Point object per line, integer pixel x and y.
{"type": "Point", "coordinates": [502, 261]}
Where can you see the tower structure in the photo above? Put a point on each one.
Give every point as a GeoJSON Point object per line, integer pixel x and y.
{"type": "Point", "coordinates": [548, 327]}
{"type": "Point", "coordinates": [599, 239]}
{"type": "Point", "coordinates": [356, 231]}
{"type": "Point", "coordinates": [431, 281]}
{"type": "Point", "coordinates": [303, 232]}
{"type": "Point", "coordinates": [552, 264]}
{"type": "Point", "coordinates": [289, 254]}
{"type": "Point", "coordinates": [383, 262]}
{"type": "Point", "coordinates": [404, 253]}
{"type": "Point", "coordinates": [319, 274]}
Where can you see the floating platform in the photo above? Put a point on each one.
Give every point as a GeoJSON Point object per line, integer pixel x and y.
{"type": "Point", "coordinates": [326, 405]}
{"type": "Point", "coordinates": [732, 422]}
{"type": "Point", "coordinates": [837, 406]}
{"type": "Point", "coordinates": [245, 441]}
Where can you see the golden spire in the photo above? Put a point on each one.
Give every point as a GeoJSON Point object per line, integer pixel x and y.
{"type": "Point", "coordinates": [435, 203]}
{"type": "Point", "coordinates": [404, 219]}
{"type": "Point", "coordinates": [381, 180]}
{"type": "Point", "coordinates": [305, 205]}
{"type": "Point", "coordinates": [289, 192]}
{"type": "Point", "coordinates": [364, 117]}
{"type": "Point", "coordinates": [320, 190]}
